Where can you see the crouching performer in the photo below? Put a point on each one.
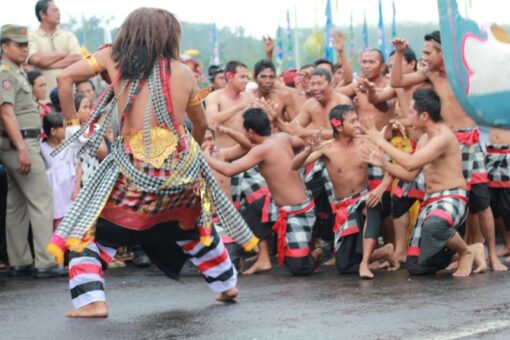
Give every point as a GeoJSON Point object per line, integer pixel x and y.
{"type": "Point", "coordinates": [435, 239]}
{"type": "Point", "coordinates": [154, 188]}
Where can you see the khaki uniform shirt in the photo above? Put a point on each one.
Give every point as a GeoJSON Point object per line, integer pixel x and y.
{"type": "Point", "coordinates": [40, 41]}
{"type": "Point", "coordinates": [15, 90]}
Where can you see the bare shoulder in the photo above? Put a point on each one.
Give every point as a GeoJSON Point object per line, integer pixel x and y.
{"type": "Point", "coordinates": [247, 94]}
{"type": "Point", "coordinates": [341, 98]}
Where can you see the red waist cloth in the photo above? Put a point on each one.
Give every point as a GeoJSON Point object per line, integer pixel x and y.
{"type": "Point", "coordinates": [280, 228]}
{"type": "Point", "coordinates": [468, 137]}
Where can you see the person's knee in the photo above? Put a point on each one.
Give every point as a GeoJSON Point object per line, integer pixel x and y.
{"type": "Point", "coordinates": [299, 266]}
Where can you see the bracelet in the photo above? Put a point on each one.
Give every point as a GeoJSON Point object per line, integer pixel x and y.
{"type": "Point", "coordinates": [72, 122]}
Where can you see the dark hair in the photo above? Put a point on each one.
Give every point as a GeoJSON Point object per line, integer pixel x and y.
{"type": "Point", "coordinates": [306, 66]}
{"type": "Point", "coordinates": [409, 56]}
{"type": "Point", "coordinates": [379, 52]}
{"type": "Point", "coordinates": [145, 35]}
{"type": "Point", "coordinates": [427, 100]}
{"type": "Point", "coordinates": [55, 100]}
{"type": "Point", "coordinates": [32, 76]}
{"type": "Point", "coordinates": [41, 6]}
{"type": "Point", "coordinates": [77, 100]}
{"type": "Point", "coordinates": [322, 73]}
{"type": "Point", "coordinates": [433, 36]}
{"type": "Point", "coordinates": [339, 112]}
{"type": "Point", "coordinates": [86, 81]}
{"type": "Point", "coordinates": [262, 65]}
{"type": "Point", "coordinates": [257, 120]}
{"type": "Point", "coordinates": [52, 120]}
{"type": "Point", "coordinates": [324, 61]}
{"type": "Point", "coordinates": [233, 65]}
{"type": "Point", "coordinates": [213, 71]}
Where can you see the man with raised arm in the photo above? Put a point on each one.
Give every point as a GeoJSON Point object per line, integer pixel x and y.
{"type": "Point", "coordinates": [464, 128]}
{"type": "Point", "coordinates": [436, 237]}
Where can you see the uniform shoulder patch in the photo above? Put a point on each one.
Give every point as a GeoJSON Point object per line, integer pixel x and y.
{"type": "Point", "coordinates": [5, 68]}
{"type": "Point", "coordinates": [6, 85]}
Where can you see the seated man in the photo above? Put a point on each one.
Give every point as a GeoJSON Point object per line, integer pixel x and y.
{"type": "Point", "coordinates": [273, 154]}
{"type": "Point", "coordinates": [436, 237]}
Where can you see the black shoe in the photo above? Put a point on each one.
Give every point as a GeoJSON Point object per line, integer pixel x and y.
{"type": "Point", "coordinates": [18, 271]}
{"type": "Point", "coordinates": [141, 260]}
{"type": "Point", "coordinates": [45, 273]}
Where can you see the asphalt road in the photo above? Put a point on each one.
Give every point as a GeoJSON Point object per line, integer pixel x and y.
{"type": "Point", "coordinates": [146, 305]}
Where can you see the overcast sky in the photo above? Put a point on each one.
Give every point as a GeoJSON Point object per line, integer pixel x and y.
{"type": "Point", "coordinates": [260, 17]}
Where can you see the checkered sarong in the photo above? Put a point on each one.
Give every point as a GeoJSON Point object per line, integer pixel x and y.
{"type": "Point", "coordinates": [294, 229]}
{"type": "Point", "coordinates": [414, 189]}
{"type": "Point", "coordinates": [249, 186]}
{"type": "Point", "coordinates": [187, 171]}
{"type": "Point", "coordinates": [449, 205]}
{"type": "Point", "coordinates": [473, 162]}
{"type": "Point", "coordinates": [346, 212]}
{"type": "Point", "coordinates": [497, 162]}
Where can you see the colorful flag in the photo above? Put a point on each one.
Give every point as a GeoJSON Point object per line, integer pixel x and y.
{"type": "Point", "coordinates": [215, 56]}
{"type": "Point", "coordinates": [328, 46]}
{"type": "Point", "coordinates": [381, 38]}
{"type": "Point", "coordinates": [365, 31]}
{"type": "Point", "coordinates": [289, 53]}
{"type": "Point", "coordinates": [279, 49]}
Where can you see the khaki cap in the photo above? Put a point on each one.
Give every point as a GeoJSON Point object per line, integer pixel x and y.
{"type": "Point", "coordinates": [15, 33]}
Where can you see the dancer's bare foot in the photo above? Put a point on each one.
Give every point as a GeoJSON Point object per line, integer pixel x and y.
{"type": "Point", "coordinates": [497, 266]}
{"type": "Point", "coordinates": [400, 257]}
{"type": "Point", "coordinates": [379, 265]}
{"type": "Point", "coordinates": [317, 254]}
{"type": "Point", "coordinates": [97, 309]}
{"type": "Point", "coordinates": [452, 266]}
{"type": "Point", "coordinates": [258, 267]}
{"type": "Point", "coordinates": [393, 264]}
{"type": "Point", "coordinates": [330, 262]}
{"type": "Point", "coordinates": [365, 273]}
{"type": "Point", "coordinates": [465, 264]}
{"type": "Point", "coordinates": [480, 262]}
{"type": "Point", "coordinates": [228, 296]}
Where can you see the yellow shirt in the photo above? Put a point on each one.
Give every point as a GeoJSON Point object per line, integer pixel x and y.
{"type": "Point", "coordinates": [40, 41]}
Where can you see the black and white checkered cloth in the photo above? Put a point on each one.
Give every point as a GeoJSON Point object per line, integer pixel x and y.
{"type": "Point", "coordinates": [191, 165]}
{"type": "Point", "coordinates": [497, 162]}
{"type": "Point", "coordinates": [450, 205]}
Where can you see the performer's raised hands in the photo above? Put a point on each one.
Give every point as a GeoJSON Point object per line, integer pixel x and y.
{"type": "Point", "coordinates": [400, 44]}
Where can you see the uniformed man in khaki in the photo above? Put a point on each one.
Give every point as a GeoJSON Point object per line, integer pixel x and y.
{"type": "Point", "coordinates": [29, 196]}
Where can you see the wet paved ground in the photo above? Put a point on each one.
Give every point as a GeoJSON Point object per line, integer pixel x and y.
{"type": "Point", "coordinates": [146, 305]}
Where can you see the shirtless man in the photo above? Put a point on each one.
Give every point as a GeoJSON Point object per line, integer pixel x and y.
{"type": "Point", "coordinates": [372, 66]}
{"type": "Point", "coordinates": [350, 195]}
{"type": "Point", "coordinates": [314, 112]}
{"type": "Point", "coordinates": [265, 74]}
{"type": "Point", "coordinates": [435, 237]}
{"type": "Point", "coordinates": [497, 160]}
{"type": "Point", "coordinates": [225, 106]}
{"type": "Point", "coordinates": [465, 129]}
{"type": "Point", "coordinates": [273, 154]}
{"type": "Point", "coordinates": [407, 193]}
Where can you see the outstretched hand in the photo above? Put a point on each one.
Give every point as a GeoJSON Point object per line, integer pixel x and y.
{"type": "Point", "coordinates": [365, 86]}
{"type": "Point", "coordinates": [370, 132]}
{"type": "Point", "coordinates": [268, 44]}
{"type": "Point", "coordinates": [315, 142]}
{"type": "Point", "coordinates": [372, 154]}
{"type": "Point", "coordinates": [400, 44]}
{"type": "Point", "coordinates": [338, 41]}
